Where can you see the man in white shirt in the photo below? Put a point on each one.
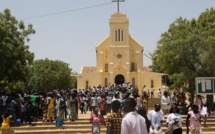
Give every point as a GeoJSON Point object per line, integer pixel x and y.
{"type": "Point", "coordinates": [156, 117]}
{"type": "Point", "coordinates": [132, 123]}
{"type": "Point", "coordinates": [108, 101]}
{"type": "Point", "coordinates": [165, 101]}
{"type": "Point", "coordinates": [159, 94]}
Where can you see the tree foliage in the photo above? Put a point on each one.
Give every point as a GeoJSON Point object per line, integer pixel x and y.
{"type": "Point", "coordinates": [14, 54]}
{"type": "Point", "coordinates": [187, 50]}
{"type": "Point", "coordinates": [48, 75]}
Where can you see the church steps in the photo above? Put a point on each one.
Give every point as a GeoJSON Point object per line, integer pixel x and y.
{"type": "Point", "coordinates": [83, 126]}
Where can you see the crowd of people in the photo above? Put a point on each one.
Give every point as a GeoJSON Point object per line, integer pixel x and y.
{"type": "Point", "coordinates": [120, 108]}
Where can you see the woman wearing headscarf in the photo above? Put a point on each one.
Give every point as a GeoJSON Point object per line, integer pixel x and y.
{"type": "Point", "coordinates": [61, 105]}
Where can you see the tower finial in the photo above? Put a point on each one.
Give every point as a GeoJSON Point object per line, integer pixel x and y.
{"type": "Point", "coordinates": [118, 3]}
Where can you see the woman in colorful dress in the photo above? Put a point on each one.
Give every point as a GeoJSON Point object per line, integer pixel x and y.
{"type": "Point", "coordinates": [73, 106]}
{"type": "Point", "coordinates": [61, 105]}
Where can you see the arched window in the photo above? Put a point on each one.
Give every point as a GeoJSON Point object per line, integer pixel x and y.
{"type": "Point", "coordinates": [106, 67]}
{"type": "Point", "coordinates": [106, 81]}
{"type": "Point", "coordinates": [132, 67]}
{"type": "Point", "coordinates": [152, 83]}
{"type": "Point", "coordinates": [87, 84]}
{"type": "Point", "coordinates": [133, 82]}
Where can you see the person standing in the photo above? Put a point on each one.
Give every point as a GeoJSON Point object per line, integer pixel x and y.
{"type": "Point", "coordinates": [82, 104]}
{"type": "Point", "coordinates": [113, 120]}
{"type": "Point", "coordinates": [132, 123]}
{"type": "Point", "coordinates": [159, 94]}
{"type": "Point", "coordinates": [144, 90]}
{"type": "Point", "coordinates": [23, 108]}
{"type": "Point", "coordinates": [94, 102]}
{"type": "Point", "coordinates": [96, 120]}
{"type": "Point", "coordinates": [165, 102]}
{"type": "Point", "coordinates": [156, 118]}
{"type": "Point", "coordinates": [174, 120]}
{"type": "Point", "coordinates": [139, 101]}
{"type": "Point", "coordinates": [4, 99]}
{"type": "Point", "coordinates": [152, 92]}
{"type": "Point", "coordinates": [108, 101]}
{"type": "Point", "coordinates": [51, 105]}
{"type": "Point", "coordinates": [73, 104]}
{"type": "Point", "coordinates": [29, 112]}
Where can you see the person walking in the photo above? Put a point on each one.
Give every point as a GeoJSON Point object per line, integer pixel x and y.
{"type": "Point", "coordinates": [174, 120]}
{"type": "Point", "coordinates": [132, 123]}
{"type": "Point", "coordinates": [143, 112]}
{"type": "Point", "coordinates": [194, 120]}
{"type": "Point", "coordinates": [156, 118]}
{"type": "Point", "coordinates": [204, 113]}
{"type": "Point", "coordinates": [61, 110]}
{"type": "Point", "coordinates": [165, 102]}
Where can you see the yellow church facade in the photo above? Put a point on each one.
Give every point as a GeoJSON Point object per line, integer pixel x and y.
{"type": "Point", "coordinates": [119, 59]}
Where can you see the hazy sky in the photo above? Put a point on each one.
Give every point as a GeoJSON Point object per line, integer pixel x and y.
{"type": "Point", "coordinates": [78, 26]}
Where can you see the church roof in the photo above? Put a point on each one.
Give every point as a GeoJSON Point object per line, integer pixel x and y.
{"type": "Point", "coordinates": [118, 14]}
{"type": "Point", "coordinates": [88, 70]}
{"type": "Point", "coordinates": [146, 68]}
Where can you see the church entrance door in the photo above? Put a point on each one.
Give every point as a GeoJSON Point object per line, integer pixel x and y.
{"type": "Point", "coordinates": [119, 79]}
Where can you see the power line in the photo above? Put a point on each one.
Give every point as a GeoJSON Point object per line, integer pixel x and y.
{"type": "Point", "coordinates": [51, 14]}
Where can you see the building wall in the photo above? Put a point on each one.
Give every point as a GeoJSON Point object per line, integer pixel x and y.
{"type": "Point", "coordinates": [119, 50]}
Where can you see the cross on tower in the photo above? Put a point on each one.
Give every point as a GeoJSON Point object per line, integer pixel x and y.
{"type": "Point", "coordinates": [118, 3]}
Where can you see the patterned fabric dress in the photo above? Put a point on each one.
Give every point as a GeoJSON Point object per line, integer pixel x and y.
{"type": "Point", "coordinates": [60, 112]}
{"type": "Point", "coordinates": [73, 113]}
{"type": "Point", "coordinates": [113, 123]}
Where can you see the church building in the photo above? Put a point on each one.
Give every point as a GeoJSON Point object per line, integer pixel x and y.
{"type": "Point", "coordinates": [119, 59]}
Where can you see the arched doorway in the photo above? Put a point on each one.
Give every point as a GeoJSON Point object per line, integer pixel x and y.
{"type": "Point", "coordinates": [119, 79]}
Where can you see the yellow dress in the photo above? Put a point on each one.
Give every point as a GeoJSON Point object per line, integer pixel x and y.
{"type": "Point", "coordinates": [6, 129]}
{"type": "Point", "coordinates": [51, 112]}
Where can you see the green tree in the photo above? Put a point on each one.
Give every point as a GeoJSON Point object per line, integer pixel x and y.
{"type": "Point", "coordinates": [187, 50]}
{"type": "Point", "coordinates": [14, 54]}
{"type": "Point", "coordinates": [48, 75]}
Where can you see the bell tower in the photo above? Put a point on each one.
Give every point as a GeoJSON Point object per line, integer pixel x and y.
{"type": "Point", "coordinates": [119, 32]}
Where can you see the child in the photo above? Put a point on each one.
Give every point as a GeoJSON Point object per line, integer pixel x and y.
{"type": "Point", "coordinates": [96, 120]}
{"type": "Point", "coordinates": [5, 127]}
{"type": "Point", "coordinates": [193, 120]}
{"type": "Point", "coordinates": [204, 113]}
